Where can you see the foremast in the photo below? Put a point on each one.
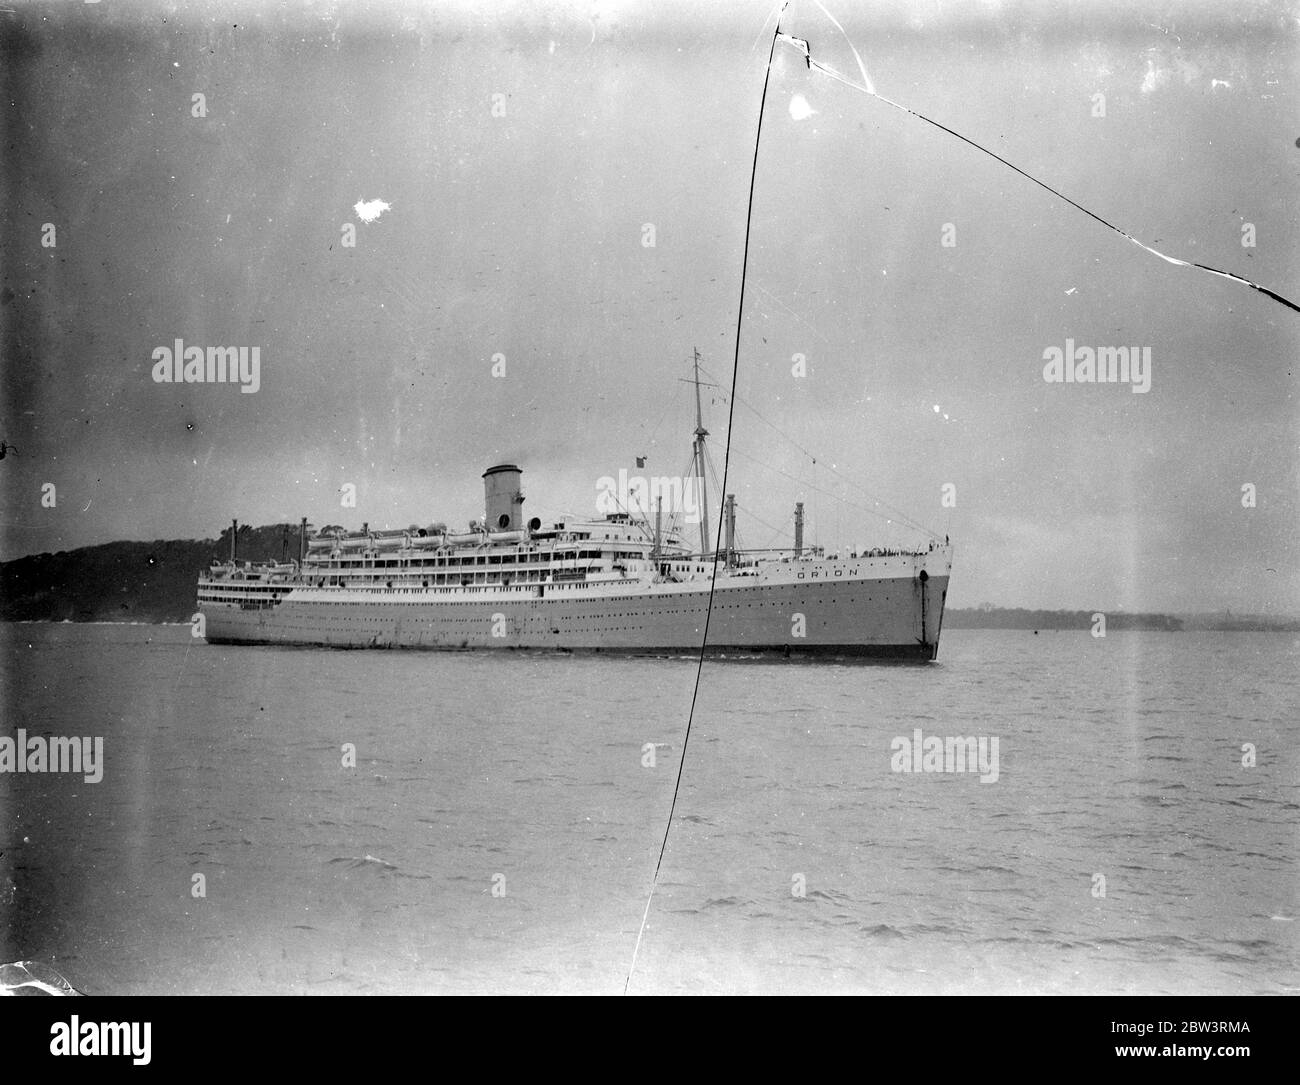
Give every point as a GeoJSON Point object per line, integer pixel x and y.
{"type": "Point", "coordinates": [700, 472]}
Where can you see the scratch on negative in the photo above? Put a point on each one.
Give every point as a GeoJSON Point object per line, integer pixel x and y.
{"type": "Point", "coordinates": [867, 88]}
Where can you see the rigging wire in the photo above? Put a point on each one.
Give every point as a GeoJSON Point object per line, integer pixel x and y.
{"type": "Point", "coordinates": [896, 518]}
{"type": "Point", "coordinates": [898, 513]}
{"type": "Point", "coordinates": [811, 327]}
{"type": "Point", "coordinates": [779, 532]}
{"type": "Point", "coordinates": [726, 463]}
{"type": "Point", "coordinates": [866, 88]}
{"type": "Point", "coordinates": [654, 433]}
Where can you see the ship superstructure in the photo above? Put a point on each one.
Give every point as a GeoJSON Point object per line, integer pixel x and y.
{"type": "Point", "coordinates": [605, 584]}
{"type": "Point", "coordinates": [624, 582]}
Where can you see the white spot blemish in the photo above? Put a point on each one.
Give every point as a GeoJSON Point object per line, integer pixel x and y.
{"type": "Point", "coordinates": [1155, 77]}
{"type": "Point", "coordinates": [369, 210]}
{"type": "Point", "coordinates": [800, 110]}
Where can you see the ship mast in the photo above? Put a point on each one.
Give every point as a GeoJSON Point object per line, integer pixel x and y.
{"type": "Point", "coordinates": [700, 434]}
{"type": "Point", "coordinates": [659, 514]}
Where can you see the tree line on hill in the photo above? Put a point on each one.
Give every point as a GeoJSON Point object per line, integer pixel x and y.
{"type": "Point", "coordinates": [128, 581]}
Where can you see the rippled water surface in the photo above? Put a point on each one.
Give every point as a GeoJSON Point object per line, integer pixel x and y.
{"type": "Point", "coordinates": [500, 827]}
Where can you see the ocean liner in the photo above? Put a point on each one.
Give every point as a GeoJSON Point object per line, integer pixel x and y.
{"type": "Point", "coordinates": [624, 582]}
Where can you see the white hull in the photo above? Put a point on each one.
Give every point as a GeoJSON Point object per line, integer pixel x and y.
{"type": "Point", "coordinates": [888, 606]}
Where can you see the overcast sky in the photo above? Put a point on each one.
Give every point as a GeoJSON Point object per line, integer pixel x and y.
{"type": "Point", "coordinates": [523, 235]}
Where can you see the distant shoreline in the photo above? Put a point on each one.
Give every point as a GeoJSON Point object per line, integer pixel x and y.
{"type": "Point", "coordinates": [71, 621]}
{"type": "Point", "coordinates": [155, 583]}
{"type": "Point", "coordinates": [1076, 620]}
